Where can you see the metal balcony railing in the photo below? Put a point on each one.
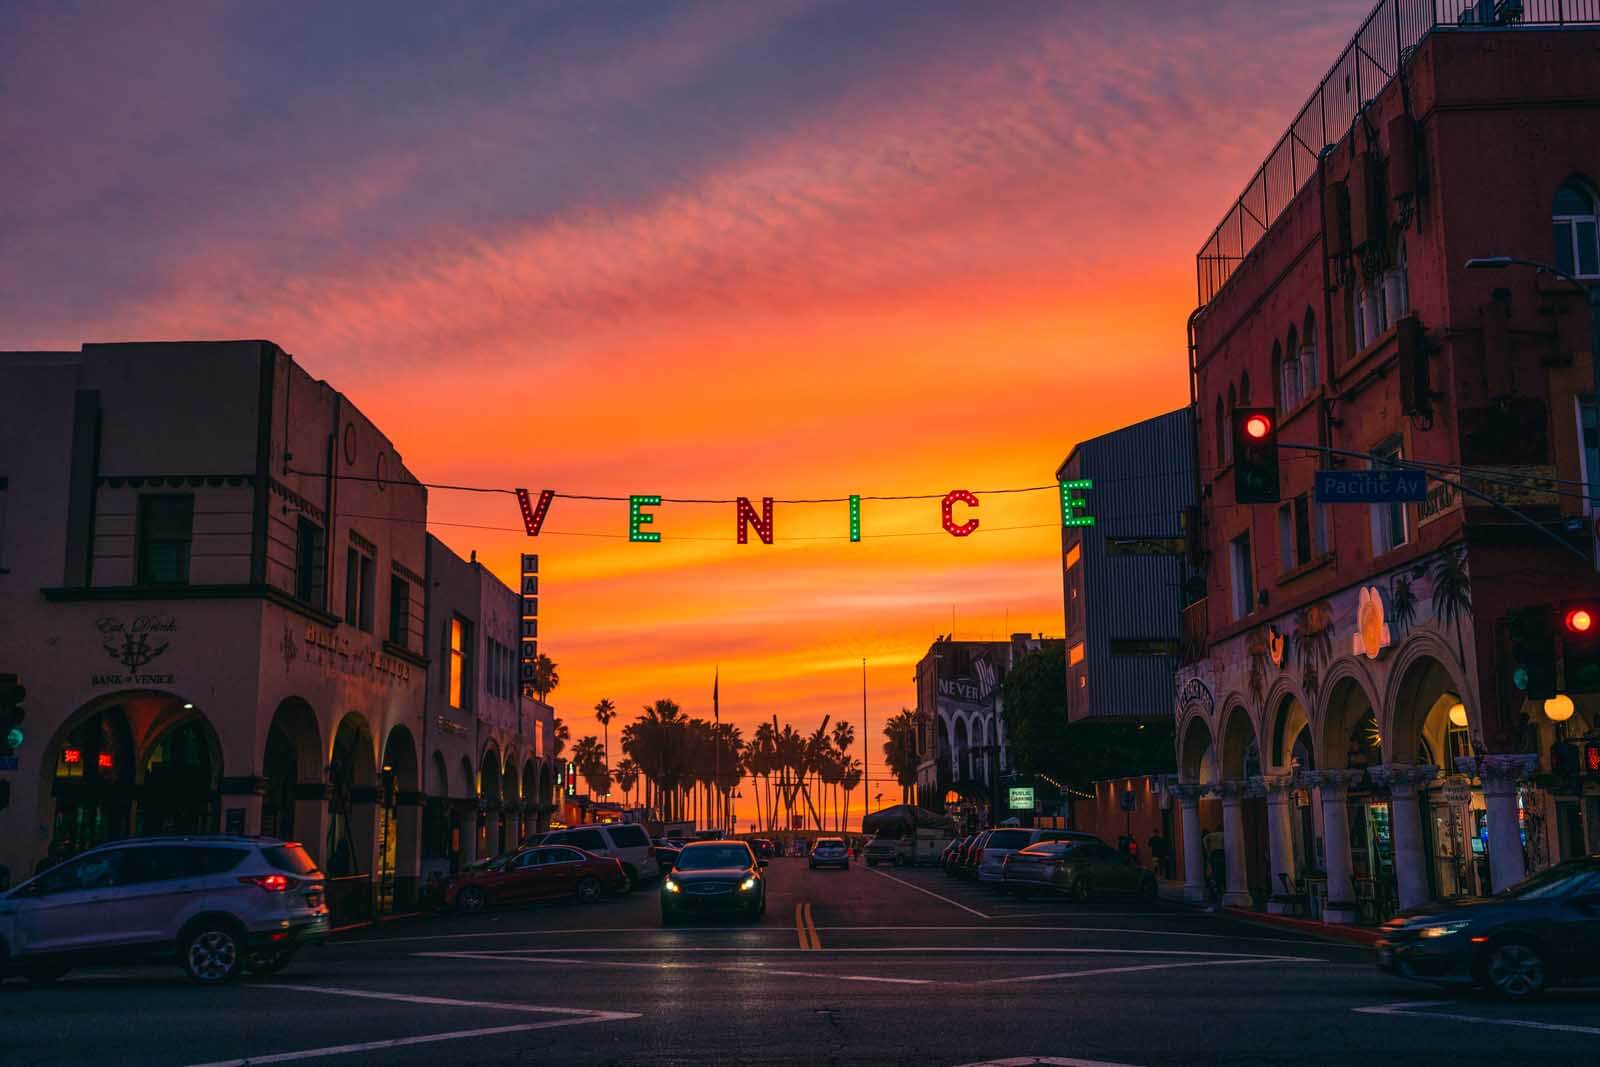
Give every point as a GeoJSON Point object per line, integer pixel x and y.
{"type": "Point", "coordinates": [1367, 64]}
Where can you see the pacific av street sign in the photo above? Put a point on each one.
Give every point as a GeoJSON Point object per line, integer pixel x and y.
{"type": "Point", "coordinates": [1371, 487]}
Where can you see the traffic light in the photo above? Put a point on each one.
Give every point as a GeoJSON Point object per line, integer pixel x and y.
{"type": "Point", "coordinates": [1565, 759]}
{"type": "Point", "coordinates": [1533, 652]}
{"type": "Point", "coordinates": [1591, 758]}
{"type": "Point", "coordinates": [11, 712]}
{"type": "Point", "coordinates": [1580, 645]}
{"type": "Point", "coordinates": [1255, 455]}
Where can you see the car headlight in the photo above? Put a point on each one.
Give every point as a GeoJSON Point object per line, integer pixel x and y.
{"type": "Point", "coordinates": [670, 886]}
{"type": "Point", "coordinates": [748, 884]}
{"type": "Point", "coordinates": [1443, 929]}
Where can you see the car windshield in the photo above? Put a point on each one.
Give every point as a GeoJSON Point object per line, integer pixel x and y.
{"type": "Point", "coordinates": [830, 842]}
{"type": "Point", "coordinates": [291, 858]}
{"type": "Point", "coordinates": [1559, 881]}
{"type": "Point", "coordinates": [1009, 839]}
{"type": "Point", "coordinates": [709, 857]}
{"type": "Point", "coordinates": [1048, 849]}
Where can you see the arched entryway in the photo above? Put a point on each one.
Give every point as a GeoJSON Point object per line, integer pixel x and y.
{"type": "Point", "coordinates": [399, 822]}
{"type": "Point", "coordinates": [1245, 861]}
{"type": "Point", "coordinates": [492, 826]}
{"type": "Point", "coordinates": [178, 775]}
{"type": "Point", "coordinates": [352, 796]}
{"type": "Point", "coordinates": [440, 839]}
{"type": "Point", "coordinates": [295, 803]}
{"type": "Point", "coordinates": [1291, 818]}
{"type": "Point", "coordinates": [530, 797]}
{"type": "Point", "coordinates": [1348, 742]}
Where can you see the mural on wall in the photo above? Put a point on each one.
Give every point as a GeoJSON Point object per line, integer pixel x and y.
{"type": "Point", "coordinates": [1369, 621]}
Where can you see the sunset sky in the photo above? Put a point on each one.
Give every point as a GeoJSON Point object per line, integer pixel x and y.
{"type": "Point", "coordinates": [700, 250]}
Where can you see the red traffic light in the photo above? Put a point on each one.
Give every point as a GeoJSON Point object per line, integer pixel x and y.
{"type": "Point", "coordinates": [1579, 621]}
{"type": "Point", "coordinates": [1257, 427]}
{"type": "Point", "coordinates": [1591, 757]}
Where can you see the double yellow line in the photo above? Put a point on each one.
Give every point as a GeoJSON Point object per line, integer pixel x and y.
{"type": "Point", "coordinates": [806, 927]}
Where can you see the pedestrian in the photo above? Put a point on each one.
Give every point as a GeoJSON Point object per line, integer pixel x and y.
{"type": "Point", "coordinates": [1158, 852]}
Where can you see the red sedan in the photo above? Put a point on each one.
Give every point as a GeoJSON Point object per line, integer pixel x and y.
{"type": "Point", "coordinates": [552, 872]}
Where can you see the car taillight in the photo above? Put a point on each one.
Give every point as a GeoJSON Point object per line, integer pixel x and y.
{"type": "Point", "coordinates": [272, 883]}
{"type": "Point", "coordinates": [652, 852]}
{"type": "Point", "coordinates": [977, 857]}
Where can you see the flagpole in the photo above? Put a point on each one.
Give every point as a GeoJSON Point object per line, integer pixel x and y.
{"type": "Point", "coordinates": [866, 739]}
{"type": "Point", "coordinates": [716, 737]}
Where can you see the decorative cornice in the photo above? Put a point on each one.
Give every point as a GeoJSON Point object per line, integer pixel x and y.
{"type": "Point", "coordinates": [1190, 792]}
{"type": "Point", "coordinates": [1232, 790]}
{"type": "Point", "coordinates": [1499, 771]}
{"type": "Point", "coordinates": [1335, 781]}
{"type": "Point", "coordinates": [1403, 777]}
{"type": "Point", "coordinates": [1275, 784]}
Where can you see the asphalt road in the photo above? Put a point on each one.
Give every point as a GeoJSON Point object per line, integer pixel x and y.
{"type": "Point", "coordinates": [864, 966]}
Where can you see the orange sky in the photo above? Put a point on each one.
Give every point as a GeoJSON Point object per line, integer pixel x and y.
{"type": "Point", "coordinates": [791, 249]}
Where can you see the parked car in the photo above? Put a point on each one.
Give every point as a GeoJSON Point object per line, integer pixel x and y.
{"type": "Point", "coordinates": [763, 848]}
{"type": "Point", "coordinates": [625, 842]}
{"type": "Point", "coordinates": [545, 872]}
{"type": "Point", "coordinates": [830, 852]}
{"type": "Point", "coordinates": [1540, 932]}
{"type": "Point", "coordinates": [1004, 841]}
{"type": "Point", "coordinates": [220, 904]}
{"type": "Point", "coordinates": [948, 858]}
{"type": "Point", "coordinates": [715, 877]}
{"type": "Point", "coordinates": [1082, 869]}
{"type": "Point", "coordinates": [971, 855]}
{"type": "Point", "coordinates": [667, 853]}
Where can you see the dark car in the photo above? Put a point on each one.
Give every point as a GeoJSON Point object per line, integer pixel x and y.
{"type": "Point", "coordinates": [952, 852]}
{"type": "Point", "coordinates": [1082, 866]}
{"type": "Point", "coordinates": [667, 852]}
{"type": "Point", "coordinates": [972, 855]}
{"type": "Point", "coordinates": [1543, 931]}
{"type": "Point", "coordinates": [830, 852]}
{"type": "Point", "coordinates": [764, 848]}
{"type": "Point", "coordinates": [715, 878]}
{"type": "Point", "coordinates": [547, 872]}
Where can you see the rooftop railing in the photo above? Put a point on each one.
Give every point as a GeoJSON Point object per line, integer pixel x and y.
{"type": "Point", "coordinates": [1367, 64]}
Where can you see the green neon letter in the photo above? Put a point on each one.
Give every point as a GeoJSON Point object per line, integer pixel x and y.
{"type": "Point", "coordinates": [1073, 506]}
{"type": "Point", "coordinates": [855, 518]}
{"type": "Point", "coordinates": [638, 518]}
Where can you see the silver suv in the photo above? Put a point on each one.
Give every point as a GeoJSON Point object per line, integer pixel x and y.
{"type": "Point", "coordinates": [627, 843]}
{"type": "Point", "coordinates": [220, 903]}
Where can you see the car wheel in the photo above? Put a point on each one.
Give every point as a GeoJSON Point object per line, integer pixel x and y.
{"type": "Point", "coordinates": [213, 952]}
{"type": "Point", "coordinates": [471, 900]}
{"type": "Point", "coordinates": [1514, 970]}
{"type": "Point", "coordinates": [269, 962]}
{"type": "Point", "coordinates": [1081, 890]}
{"type": "Point", "coordinates": [630, 878]}
{"type": "Point", "coordinates": [589, 890]}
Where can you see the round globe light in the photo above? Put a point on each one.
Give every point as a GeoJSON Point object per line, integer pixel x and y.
{"type": "Point", "coordinates": [1558, 708]}
{"type": "Point", "coordinates": [1458, 714]}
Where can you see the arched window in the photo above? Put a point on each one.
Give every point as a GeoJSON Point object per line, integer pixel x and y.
{"type": "Point", "coordinates": [1573, 224]}
{"type": "Point", "coordinates": [1222, 434]}
{"type": "Point", "coordinates": [1289, 374]}
{"type": "Point", "coordinates": [1282, 397]}
{"type": "Point", "coordinates": [1244, 389]}
{"type": "Point", "coordinates": [1227, 434]}
{"type": "Point", "coordinates": [1309, 371]}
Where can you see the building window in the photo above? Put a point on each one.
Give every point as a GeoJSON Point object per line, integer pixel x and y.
{"type": "Point", "coordinates": [1240, 566]}
{"type": "Point", "coordinates": [1309, 372]}
{"type": "Point", "coordinates": [1222, 434]}
{"type": "Point", "coordinates": [1573, 226]}
{"type": "Point", "coordinates": [360, 578]}
{"type": "Point", "coordinates": [310, 564]}
{"type": "Point", "coordinates": [166, 533]}
{"type": "Point", "coordinates": [1589, 424]}
{"type": "Point", "coordinates": [1388, 520]}
{"type": "Point", "coordinates": [1075, 655]}
{"type": "Point", "coordinates": [460, 660]}
{"type": "Point", "coordinates": [1074, 554]}
{"type": "Point", "coordinates": [399, 610]}
{"type": "Point", "coordinates": [1296, 539]}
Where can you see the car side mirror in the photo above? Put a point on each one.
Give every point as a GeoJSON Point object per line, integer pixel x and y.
{"type": "Point", "coordinates": [761, 863]}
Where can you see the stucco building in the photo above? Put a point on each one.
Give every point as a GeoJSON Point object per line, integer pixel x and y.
{"type": "Point", "coordinates": [1349, 714]}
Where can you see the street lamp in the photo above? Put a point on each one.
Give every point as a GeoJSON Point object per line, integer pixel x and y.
{"type": "Point", "coordinates": [1592, 292]}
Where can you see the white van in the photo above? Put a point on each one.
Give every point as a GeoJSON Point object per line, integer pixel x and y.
{"type": "Point", "coordinates": [627, 843]}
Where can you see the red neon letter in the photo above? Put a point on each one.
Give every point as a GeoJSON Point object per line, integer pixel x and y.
{"type": "Point", "coordinates": [950, 500]}
{"type": "Point", "coordinates": [533, 517]}
{"type": "Point", "coordinates": [747, 514]}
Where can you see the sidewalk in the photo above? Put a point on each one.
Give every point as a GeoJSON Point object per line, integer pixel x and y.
{"type": "Point", "coordinates": [1355, 935]}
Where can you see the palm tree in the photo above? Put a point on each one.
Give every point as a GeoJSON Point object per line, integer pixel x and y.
{"type": "Point", "coordinates": [605, 711]}
{"type": "Point", "coordinates": [900, 750]}
{"type": "Point", "coordinates": [852, 778]}
{"type": "Point", "coordinates": [589, 757]}
{"type": "Point", "coordinates": [563, 734]}
{"type": "Point", "coordinates": [627, 773]}
{"type": "Point", "coordinates": [1452, 594]}
{"type": "Point", "coordinates": [656, 740]}
{"type": "Point", "coordinates": [763, 761]}
{"type": "Point", "coordinates": [545, 679]}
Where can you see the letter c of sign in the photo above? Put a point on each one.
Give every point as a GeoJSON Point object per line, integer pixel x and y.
{"type": "Point", "coordinates": [951, 498]}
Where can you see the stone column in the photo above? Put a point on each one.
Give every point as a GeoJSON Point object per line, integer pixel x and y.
{"type": "Point", "coordinates": [1405, 821]}
{"type": "Point", "coordinates": [1194, 859]}
{"type": "Point", "coordinates": [466, 813]}
{"type": "Point", "coordinates": [1237, 891]}
{"type": "Point", "coordinates": [1332, 788]}
{"type": "Point", "coordinates": [1280, 836]}
{"type": "Point", "coordinates": [311, 820]}
{"type": "Point", "coordinates": [407, 832]}
{"type": "Point", "coordinates": [1500, 775]}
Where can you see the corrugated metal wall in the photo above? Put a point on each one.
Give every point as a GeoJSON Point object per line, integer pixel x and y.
{"type": "Point", "coordinates": [1143, 480]}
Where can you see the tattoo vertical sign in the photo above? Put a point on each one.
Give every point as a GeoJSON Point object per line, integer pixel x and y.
{"type": "Point", "coordinates": [529, 631]}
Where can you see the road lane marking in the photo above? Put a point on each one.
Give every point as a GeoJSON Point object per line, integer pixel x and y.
{"type": "Point", "coordinates": [1140, 967]}
{"type": "Point", "coordinates": [680, 966]}
{"type": "Point", "coordinates": [1411, 1008]}
{"type": "Point", "coordinates": [1052, 1061]}
{"type": "Point", "coordinates": [987, 950]}
{"type": "Point", "coordinates": [931, 893]}
{"type": "Point", "coordinates": [811, 927]}
{"type": "Point", "coordinates": [575, 1017]}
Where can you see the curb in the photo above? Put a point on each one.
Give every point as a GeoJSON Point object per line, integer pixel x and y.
{"type": "Point", "coordinates": [1350, 935]}
{"type": "Point", "coordinates": [384, 921]}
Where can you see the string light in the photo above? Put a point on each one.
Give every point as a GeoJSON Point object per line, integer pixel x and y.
{"type": "Point", "coordinates": [746, 514]}
{"type": "Point", "coordinates": [951, 498]}
{"type": "Point", "coordinates": [1073, 506]}
{"type": "Point", "coordinates": [533, 517]}
{"type": "Point", "coordinates": [855, 518]}
{"type": "Point", "coordinates": [638, 518]}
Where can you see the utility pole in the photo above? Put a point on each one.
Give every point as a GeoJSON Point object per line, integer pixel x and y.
{"type": "Point", "coordinates": [866, 741]}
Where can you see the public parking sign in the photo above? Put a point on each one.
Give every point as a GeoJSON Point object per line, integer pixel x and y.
{"type": "Point", "coordinates": [1371, 487]}
{"type": "Point", "coordinates": [1021, 798]}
